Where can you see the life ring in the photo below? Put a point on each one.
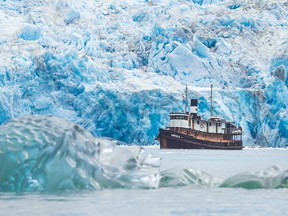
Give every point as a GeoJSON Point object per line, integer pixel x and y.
{"type": "Point", "coordinates": [201, 125]}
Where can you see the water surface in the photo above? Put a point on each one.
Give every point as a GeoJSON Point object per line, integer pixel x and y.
{"type": "Point", "coordinates": [193, 199]}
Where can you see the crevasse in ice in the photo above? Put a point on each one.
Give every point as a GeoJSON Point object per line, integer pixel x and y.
{"type": "Point", "coordinates": [117, 68]}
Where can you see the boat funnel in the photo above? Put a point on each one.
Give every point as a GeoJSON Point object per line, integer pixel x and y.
{"type": "Point", "coordinates": [194, 107]}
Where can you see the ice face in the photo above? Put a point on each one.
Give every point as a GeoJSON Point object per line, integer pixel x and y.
{"type": "Point", "coordinates": [118, 68]}
{"type": "Point", "coordinates": [45, 153]}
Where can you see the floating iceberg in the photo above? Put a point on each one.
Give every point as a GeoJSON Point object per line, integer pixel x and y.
{"type": "Point", "coordinates": [272, 178]}
{"type": "Point", "coordinates": [45, 153]}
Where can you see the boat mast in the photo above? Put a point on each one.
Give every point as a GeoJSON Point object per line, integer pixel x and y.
{"type": "Point", "coordinates": [211, 108]}
{"type": "Point", "coordinates": [186, 98]}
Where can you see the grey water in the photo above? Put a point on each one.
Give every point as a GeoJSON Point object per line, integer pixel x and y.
{"type": "Point", "coordinates": [206, 197]}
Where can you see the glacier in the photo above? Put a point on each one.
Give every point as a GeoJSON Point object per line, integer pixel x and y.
{"type": "Point", "coordinates": [117, 68]}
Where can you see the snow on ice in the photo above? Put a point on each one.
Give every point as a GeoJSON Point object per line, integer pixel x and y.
{"type": "Point", "coordinates": [118, 68]}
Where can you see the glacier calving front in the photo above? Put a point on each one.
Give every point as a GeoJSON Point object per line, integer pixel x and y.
{"type": "Point", "coordinates": [119, 67]}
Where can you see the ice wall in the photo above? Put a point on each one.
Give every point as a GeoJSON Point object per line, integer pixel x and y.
{"type": "Point", "coordinates": [118, 68]}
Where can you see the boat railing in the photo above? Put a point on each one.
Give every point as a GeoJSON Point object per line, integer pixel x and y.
{"type": "Point", "coordinates": [236, 132]}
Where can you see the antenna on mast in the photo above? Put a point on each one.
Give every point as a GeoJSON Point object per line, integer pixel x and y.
{"type": "Point", "coordinates": [186, 98]}
{"type": "Point", "coordinates": [211, 107]}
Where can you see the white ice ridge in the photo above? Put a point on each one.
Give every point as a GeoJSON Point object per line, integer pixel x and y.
{"type": "Point", "coordinates": [118, 68]}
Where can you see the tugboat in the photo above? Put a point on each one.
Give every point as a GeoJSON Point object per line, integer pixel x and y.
{"type": "Point", "coordinates": [188, 130]}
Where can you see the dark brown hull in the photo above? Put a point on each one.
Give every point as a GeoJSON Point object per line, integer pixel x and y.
{"type": "Point", "coordinates": [170, 139]}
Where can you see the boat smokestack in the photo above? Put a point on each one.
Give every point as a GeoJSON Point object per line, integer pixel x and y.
{"type": "Point", "coordinates": [194, 107]}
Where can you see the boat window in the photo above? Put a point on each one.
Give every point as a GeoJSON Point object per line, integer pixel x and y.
{"type": "Point", "coordinates": [210, 124]}
{"type": "Point", "coordinates": [179, 117]}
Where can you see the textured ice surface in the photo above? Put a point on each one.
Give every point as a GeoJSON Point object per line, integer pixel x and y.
{"type": "Point", "coordinates": [117, 68]}
{"type": "Point", "coordinates": [272, 177]}
{"type": "Point", "coordinates": [45, 153]}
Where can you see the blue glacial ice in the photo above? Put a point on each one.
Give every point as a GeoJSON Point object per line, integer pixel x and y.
{"type": "Point", "coordinates": [118, 68]}
{"type": "Point", "coordinates": [30, 32]}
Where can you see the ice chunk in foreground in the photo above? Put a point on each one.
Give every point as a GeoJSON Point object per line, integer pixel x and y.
{"type": "Point", "coordinates": [45, 153]}
{"type": "Point", "coordinates": [272, 177]}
